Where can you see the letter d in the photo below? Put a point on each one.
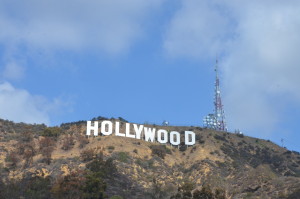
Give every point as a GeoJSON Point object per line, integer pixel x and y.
{"type": "Point", "coordinates": [187, 140]}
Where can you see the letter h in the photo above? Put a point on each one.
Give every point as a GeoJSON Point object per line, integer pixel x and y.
{"type": "Point", "coordinates": [89, 127]}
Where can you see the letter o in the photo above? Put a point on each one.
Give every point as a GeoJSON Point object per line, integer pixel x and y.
{"type": "Point", "coordinates": [172, 140]}
{"type": "Point", "coordinates": [159, 136]}
{"type": "Point", "coordinates": [103, 127]}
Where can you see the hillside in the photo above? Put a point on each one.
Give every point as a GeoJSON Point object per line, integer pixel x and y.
{"type": "Point", "coordinates": [37, 161]}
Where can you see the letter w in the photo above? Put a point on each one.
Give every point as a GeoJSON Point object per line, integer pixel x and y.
{"type": "Point", "coordinates": [149, 134]}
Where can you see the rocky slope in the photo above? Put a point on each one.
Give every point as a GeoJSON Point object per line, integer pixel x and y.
{"type": "Point", "coordinates": [61, 162]}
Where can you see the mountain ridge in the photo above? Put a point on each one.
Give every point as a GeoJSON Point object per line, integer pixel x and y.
{"type": "Point", "coordinates": [235, 165]}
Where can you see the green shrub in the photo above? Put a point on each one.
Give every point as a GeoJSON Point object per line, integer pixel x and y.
{"type": "Point", "coordinates": [116, 197]}
{"type": "Point", "coordinates": [51, 132]}
{"type": "Point", "coordinates": [160, 150]}
{"type": "Point", "coordinates": [146, 164]}
{"type": "Point", "coordinates": [82, 141]}
{"type": "Point", "coordinates": [68, 142]}
{"type": "Point", "coordinates": [87, 154]}
{"type": "Point", "coordinates": [222, 138]}
{"type": "Point", "coordinates": [123, 156]}
{"type": "Point", "coordinates": [111, 147]}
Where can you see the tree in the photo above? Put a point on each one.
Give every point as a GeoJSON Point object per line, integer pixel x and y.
{"type": "Point", "coordinates": [26, 148]}
{"type": "Point", "coordinates": [82, 141]}
{"type": "Point", "coordinates": [70, 186]}
{"type": "Point", "coordinates": [37, 187]}
{"type": "Point", "coordinates": [51, 132]}
{"type": "Point", "coordinates": [46, 145]}
{"type": "Point", "coordinates": [95, 186]}
{"type": "Point", "coordinates": [220, 194]}
{"type": "Point", "coordinates": [204, 193]}
{"type": "Point", "coordinates": [116, 197]}
{"type": "Point", "coordinates": [12, 158]}
{"type": "Point", "coordinates": [27, 137]}
{"type": "Point", "coordinates": [29, 153]}
{"type": "Point", "coordinates": [87, 154]}
{"type": "Point", "coordinates": [68, 142]}
{"type": "Point", "coordinates": [157, 190]}
{"type": "Point", "coordinates": [184, 191]}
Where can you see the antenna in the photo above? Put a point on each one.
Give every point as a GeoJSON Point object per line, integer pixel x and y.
{"type": "Point", "coordinates": [217, 120]}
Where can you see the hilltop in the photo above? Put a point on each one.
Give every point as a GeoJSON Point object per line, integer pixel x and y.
{"type": "Point", "coordinates": [37, 161]}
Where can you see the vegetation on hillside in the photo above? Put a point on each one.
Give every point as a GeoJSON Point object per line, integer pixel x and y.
{"type": "Point", "coordinates": [37, 161]}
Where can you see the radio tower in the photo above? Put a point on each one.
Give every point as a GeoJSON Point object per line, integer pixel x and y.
{"type": "Point", "coordinates": [217, 120]}
{"type": "Point", "coordinates": [219, 111]}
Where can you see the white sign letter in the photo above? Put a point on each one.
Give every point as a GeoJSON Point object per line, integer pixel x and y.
{"type": "Point", "coordinates": [103, 127]}
{"type": "Point", "coordinates": [187, 140]}
{"type": "Point", "coordinates": [117, 130]}
{"type": "Point", "coordinates": [89, 127]}
{"type": "Point", "coordinates": [138, 130]}
{"type": "Point", "coordinates": [128, 131]}
{"type": "Point", "coordinates": [149, 134]}
{"type": "Point", "coordinates": [172, 138]}
{"type": "Point", "coordinates": [162, 138]}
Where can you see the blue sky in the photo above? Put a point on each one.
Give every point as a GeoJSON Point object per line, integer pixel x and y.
{"type": "Point", "coordinates": [149, 61]}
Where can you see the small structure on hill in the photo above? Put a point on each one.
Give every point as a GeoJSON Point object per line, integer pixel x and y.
{"type": "Point", "coordinates": [165, 123]}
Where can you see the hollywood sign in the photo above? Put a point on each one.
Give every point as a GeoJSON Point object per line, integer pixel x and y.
{"type": "Point", "coordinates": [140, 132]}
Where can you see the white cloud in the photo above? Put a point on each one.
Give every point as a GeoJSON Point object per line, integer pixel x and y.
{"type": "Point", "coordinates": [31, 30]}
{"type": "Point", "coordinates": [260, 63]}
{"type": "Point", "coordinates": [107, 25]}
{"type": "Point", "coordinates": [261, 73]}
{"type": "Point", "coordinates": [21, 106]}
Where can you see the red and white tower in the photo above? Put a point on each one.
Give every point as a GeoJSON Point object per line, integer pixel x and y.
{"type": "Point", "coordinates": [217, 119]}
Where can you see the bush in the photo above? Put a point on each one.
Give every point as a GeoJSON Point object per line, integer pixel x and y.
{"type": "Point", "coordinates": [28, 155]}
{"type": "Point", "coordinates": [220, 194]}
{"type": "Point", "coordinates": [86, 184]}
{"type": "Point", "coordinates": [51, 132]}
{"type": "Point", "coordinates": [27, 137]}
{"type": "Point", "coordinates": [123, 120]}
{"type": "Point", "coordinates": [193, 149]}
{"type": "Point", "coordinates": [201, 141]}
{"type": "Point", "coordinates": [160, 150]}
{"type": "Point", "coordinates": [183, 148]}
{"type": "Point", "coordinates": [83, 140]}
{"type": "Point", "coordinates": [46, 145]}
{"type": "Point", "coordinates": [87, 155]}
{"type": "Point", "coordinates": [12, 158]}
{"type": "Point", "coordinates": [37, 187]}
{"type": "Point", "coordinates": [68, 142]}
{"type": "Point", "coordinates": [184, 191]}
{"type": "Point", "coordinates": [95, 186]}
{"type": "Point", "coordinates": [205, 192]}
{"type": "Point", "coordinates": [111, 148]}
{"type": "Point", "coordinates": [116, 197]}
{"type": "Point", "coordinates": [123, 156]}
{"type": "Point", "coordinates": [70, 186]}
{"type": "Point", "coordinates": [27, 151]}
{"type": "Point", "coordinates": [146, 164]}
{"type": "Point", "coordinates": [294, 195]}
{"type": "Point", "coordinates": [218, 137]}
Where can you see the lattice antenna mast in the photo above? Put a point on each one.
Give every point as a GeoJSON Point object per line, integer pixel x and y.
{"type": "Point", "coordinates": [219, 111]}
